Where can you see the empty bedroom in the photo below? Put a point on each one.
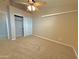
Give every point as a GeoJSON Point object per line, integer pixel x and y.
{"type": "Point", "coordinates": [38, 29]}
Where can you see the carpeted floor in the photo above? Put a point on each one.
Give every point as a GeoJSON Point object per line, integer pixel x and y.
{"type": "Point", "coordinates": [32, 47]}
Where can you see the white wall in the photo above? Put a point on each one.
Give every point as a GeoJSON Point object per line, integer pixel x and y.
{"type": "Point", "coordinates": [27, 21]}
{"type": "Point", "coordinates": [3, 19]}
{"type": "Point", "coordinates": [61, 28]}
{"type": "Point", "coordinates": [3, 27]}
{"type": "Point", "coordinates": [27, 26]}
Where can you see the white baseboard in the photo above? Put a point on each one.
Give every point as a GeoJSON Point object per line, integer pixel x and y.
{"type": "Point", "coordinates": [57, 42]}
{"type": "Point", "coordinates": [13, 38]}
{"type": "Point", "coordinates": [52, 40]}
{"type": "Point", "coordinates": [75, 52]}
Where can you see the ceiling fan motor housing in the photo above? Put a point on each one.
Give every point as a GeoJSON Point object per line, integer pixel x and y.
{"type": "Point", "coordinates": [31, 1]}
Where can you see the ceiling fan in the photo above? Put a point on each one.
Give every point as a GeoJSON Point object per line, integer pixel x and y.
{"type": "Point", "coordinates": [32, 5]}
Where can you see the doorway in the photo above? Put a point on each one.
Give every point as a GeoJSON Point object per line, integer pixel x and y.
{"type": "Point", "coordinates": [19, 26]}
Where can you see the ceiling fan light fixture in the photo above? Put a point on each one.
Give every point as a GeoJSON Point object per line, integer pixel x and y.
{"type": "Point", "coordinates": [31, 8]}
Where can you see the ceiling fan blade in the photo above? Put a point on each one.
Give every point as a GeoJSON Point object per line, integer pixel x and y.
{"type": "Point", "coordinates": [23, 3]}
{"type": "Point", "coordinates": [39, 4]}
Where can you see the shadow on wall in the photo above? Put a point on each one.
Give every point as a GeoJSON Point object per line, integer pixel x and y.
{"type": "Point", "coordinates": [3, 26]}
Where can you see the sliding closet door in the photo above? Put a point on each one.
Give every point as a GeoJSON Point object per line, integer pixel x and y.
{"type": "Point", "coordinates": [19, 26]}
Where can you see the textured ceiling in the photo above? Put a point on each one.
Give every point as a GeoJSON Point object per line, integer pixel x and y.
{"type": "Point", "coordinates": [54, 6]}
{"type": "Point", "coordinates": [3, 5]}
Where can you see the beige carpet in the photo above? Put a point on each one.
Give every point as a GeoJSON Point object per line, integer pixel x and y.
{"type": "Point", "coordinates": [32, 47]}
